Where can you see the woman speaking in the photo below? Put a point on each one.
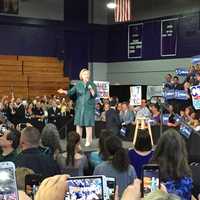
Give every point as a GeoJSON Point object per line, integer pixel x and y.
{"type": "Point", "coordinates": [85, 91]}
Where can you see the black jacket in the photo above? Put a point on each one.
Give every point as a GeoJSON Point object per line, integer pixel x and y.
{"type": "Point", "coordinates": [112, 120]}
{"type": "Point", "coordinates": [54, 116]}
{"type": "Point", "coordinates": [37, 161]}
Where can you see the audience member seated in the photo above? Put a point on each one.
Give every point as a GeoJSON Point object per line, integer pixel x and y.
{"type": "Point", "coordinates": [31, 157]}
{"type": "Point", "coordinates": [73, 161]}
{"type": "Point", "coordinates": [54, 114]}
{"type": "Point", "coordinates": [50, 142]}
{"type": "Point", "coordinates": [175, 173]}
{"type": "Point", "coordinates": [9, 142]}
{"type": "Point", "coordinates": [126, 119]}
{"type": "Point", "coordinates": [38, 116]}
{"type": "Point", "coordinates": [98, 112]}
{"type": "Point", "coordinates": [112, 118]}
{"type": "Point", "coordinates": [118, 107]}
{"type": "Point", "coordinates": [97, 157]}
{"type": "Point", "coordinates": [143, 110]}
{"type": "Point", "coordinates": [172, 118]}
{"type": "Point", "coordinates": [155, 114]}
{"type": "Point", "coordinates": [117, 165]}
{"type": "Point", "coordinates": [18, 112]}
{"type": "Point", "coordinates": [142, 151]}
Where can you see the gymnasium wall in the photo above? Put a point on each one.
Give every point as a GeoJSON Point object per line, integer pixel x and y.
{"type": "Point", "coordinates": [43, 9]}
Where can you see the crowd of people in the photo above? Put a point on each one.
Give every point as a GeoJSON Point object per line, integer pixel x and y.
{"type": "Point", "coordinates": [28, 150]}
{"type": "Point", "coordinates": [30, 133]}
{"type": "Point", "coordinates": [41, 151]}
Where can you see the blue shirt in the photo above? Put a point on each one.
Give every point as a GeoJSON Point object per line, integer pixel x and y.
{"type": "Point", "coordinates": [181, 188]}
{"type": "Point", "coordinates": [137, 160]}
{"type": "Point", "coordinates": [95, 159]}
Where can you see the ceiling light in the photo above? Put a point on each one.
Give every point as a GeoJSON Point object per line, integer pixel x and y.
{"type": "Point", "coordinates": [111, 5]}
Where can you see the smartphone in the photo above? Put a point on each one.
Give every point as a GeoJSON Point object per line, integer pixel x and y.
{"type": "Point", "coordinates": [111, 186]}
{"type": "Point", "coordinates": [86, 188]}
{"type": "Point", "coordinates": [150, 178]}
{"type": "Point", "coordinates": [32, 183]}
{"type": "Point", "coordinates": [8, 186]}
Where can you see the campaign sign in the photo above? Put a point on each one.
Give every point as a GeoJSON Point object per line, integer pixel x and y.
{"type": "Point", "coordinates": [169, 94]}
{"type": "Point", "coordinates": [185, 130]}
{"type": "Point", "coordinates": [181, 95]}
{"type": "Point", "coordinates": [195, 92]}
{"type": "Point", "coordinates": [182, 71]}
{"type": "Point", "coordinates": [135, 36]}
{"type": "Point", "coordinates": [135, 95]}
{"type": "Point", "coordinates": [165, 119]}
{"type": "Point", "coordinates": [102, 89]}
{"type": "Point", "coordinates": [196, 60]}
{"type": "Point", "coordinates": [169, 30]}
{"type": "Point", "coordinates": [154, 91]}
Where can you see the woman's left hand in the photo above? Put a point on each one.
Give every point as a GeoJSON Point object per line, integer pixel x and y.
{"type": "Point", "coordinates": [53, 188]}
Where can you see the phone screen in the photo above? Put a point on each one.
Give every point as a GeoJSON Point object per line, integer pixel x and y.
{"type": "Point", "coordinates": [111, 185]}
{"type": "Point", "coordinates": [85, 188]}
{"type": "Point", "coordinates": [8, 187]}
{"type": "Point", "coordinates": [150, 180]}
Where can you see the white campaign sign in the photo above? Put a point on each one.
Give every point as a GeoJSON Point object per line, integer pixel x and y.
{"type": "Point", "coordinates": [195, 92]}
{"type": "Point", "coordinates": [135, 95]}
{"type": "Point", "coordinates": [103, 89]}
{"type": "Point", "coordinates": [154, 91]}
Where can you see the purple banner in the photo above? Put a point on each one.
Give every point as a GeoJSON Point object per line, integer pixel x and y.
{"type": "Point", "coordinates": [169, 29]}
{"type": "Point", "coordinates": [135, 35]}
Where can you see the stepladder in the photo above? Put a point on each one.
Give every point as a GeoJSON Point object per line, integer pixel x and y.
{"type": "Point", "coordinates": [142, 123]}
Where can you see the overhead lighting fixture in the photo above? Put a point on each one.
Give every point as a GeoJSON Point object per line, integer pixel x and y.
{"type": "Point", "coordinates": [111, 5]}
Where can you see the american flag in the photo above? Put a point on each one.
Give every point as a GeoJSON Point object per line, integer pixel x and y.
{"type": "Point", "coordinates": [123, 10]}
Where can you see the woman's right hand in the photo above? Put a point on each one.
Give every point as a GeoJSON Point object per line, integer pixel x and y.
{"type": "Point", "coordinates": [132, 192]}
{"type": "Point", "coordinates": [61, 91]}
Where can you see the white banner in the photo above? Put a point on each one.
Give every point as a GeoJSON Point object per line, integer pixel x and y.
{"type": "Point", "coordinates": [135, 95]}
{"type": "Point", "coordinates": [195, 92]}
{"type": "Point", "coordinates": [154, 91]}
{"type": "Point", "coordinates": [103, 89]}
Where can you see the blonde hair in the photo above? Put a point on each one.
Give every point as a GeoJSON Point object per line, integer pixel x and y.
{"type": "Point", "coordinates": [160, 195]}
{"type": "Point", "coordinates": [20, 176]}
{"type": "Point", "coordinates": [82, 71]}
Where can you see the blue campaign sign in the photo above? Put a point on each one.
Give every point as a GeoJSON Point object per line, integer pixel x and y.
{"type": "Point", "coordinates": [196, 60]}
{"type": "Point", "coordinates": [135, 40]}
{"type": "Point", "coordinates": [195, 92]}
{"type": "Point", "coordinates": [185, 130]}
{"type": "Point", "coordinates": [165, 119]}
{"type": "Point", "coordinates": [169, 30]}
{"type": "Point", "coordinates": [181, 95]}
{"type": "Point", "coordinates": [169, 94]}
{"type": "Point", "coordinates": [182, 71]}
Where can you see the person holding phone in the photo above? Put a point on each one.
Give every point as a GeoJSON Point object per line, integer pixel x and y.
{"type": "Point", "coordinates": [171, 155]}
{"type": "Point", "coordinates": [85, 91]}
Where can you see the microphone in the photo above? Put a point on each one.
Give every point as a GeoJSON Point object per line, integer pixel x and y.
{"type": "Point", "coordinates": [89, 87]}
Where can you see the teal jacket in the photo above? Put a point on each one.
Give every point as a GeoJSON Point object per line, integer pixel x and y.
{"type": "Point", "coordinates": [85, 103]}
